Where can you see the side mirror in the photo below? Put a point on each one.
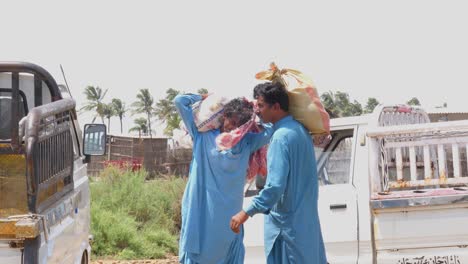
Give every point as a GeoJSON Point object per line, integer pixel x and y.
{"type": "Point", "coordinates": [94, 139]}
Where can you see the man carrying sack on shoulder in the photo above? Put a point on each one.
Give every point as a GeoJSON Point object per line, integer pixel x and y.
{"type": "Point", "coordinates": [289, 199]}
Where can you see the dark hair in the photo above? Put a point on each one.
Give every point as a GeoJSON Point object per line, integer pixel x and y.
{"type": "Point", "coordinates": [239, 107]}
{"type": "Point", "coordinates": [273, 93]}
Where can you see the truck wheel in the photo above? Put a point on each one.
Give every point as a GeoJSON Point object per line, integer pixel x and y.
{"type": "Point", "coordinates": [84, 258]}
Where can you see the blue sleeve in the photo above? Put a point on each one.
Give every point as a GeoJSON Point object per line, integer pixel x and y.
{"type": "Point", "coordinates": [258, 140]}
{"type": "Point", "coordinates": [183, 104]}
{"type": "Point", "coordinates": [277, 178]}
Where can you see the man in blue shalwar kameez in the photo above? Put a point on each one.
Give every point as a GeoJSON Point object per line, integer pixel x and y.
{"type": "Point", "coordinates": [289, 198]}
{"type": "Point", "coordinates": [214, 191]}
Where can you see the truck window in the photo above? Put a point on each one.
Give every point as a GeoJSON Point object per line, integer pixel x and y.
{"type": "Point", "coordinates": [335, 161]}
{"type": "Point", "coordinates": [5, 112]}
{"type": "Point", "coordinates": [333, 164]}
{"type": "Point", "coordinates": [33, 90]}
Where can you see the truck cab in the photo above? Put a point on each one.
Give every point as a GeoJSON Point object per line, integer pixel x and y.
{"type": "Point", "coordinates": [44, 190]}
{"type": "Point", "coordinates": [393, 189]}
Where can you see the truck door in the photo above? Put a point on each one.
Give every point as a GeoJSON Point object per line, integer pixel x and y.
{"type": "Point", "coordinates": [337, 197]}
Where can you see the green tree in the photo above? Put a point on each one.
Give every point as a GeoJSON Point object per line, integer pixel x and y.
{"type": "Point", "coordinates": [166, 112]}
{"type": "Point", "coordinates": [371, 104]}
{"type": "Point", "coordinates": [414, 101]}
{"type": "Point", "coordinates": [353, 109]}
{"type": "Point", "coordinates": [119, 110]}
{"type": "Point", "coordinates": [202, 91]}
{"type": "Point", "coordinates": [108, 112]}
{"type": "Point", "coordinates": [339, 105]}
{"type": "Point", "coordinates": [342, 102]}
{"type": "Point", "coordinates": [144, 105]}
{"type": "Point", "coordinates": [141, 125]}
{"type": "Point", "coordinates": [94, 97]}
{"type": "Point", "coordinates": [328, 100]}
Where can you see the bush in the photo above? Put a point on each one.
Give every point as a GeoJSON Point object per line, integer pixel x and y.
{"type": "Point", "coordinates": [132, 218]}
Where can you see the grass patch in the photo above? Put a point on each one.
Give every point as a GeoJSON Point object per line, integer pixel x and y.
{"type": "Point", "coordinates": [132, 218]}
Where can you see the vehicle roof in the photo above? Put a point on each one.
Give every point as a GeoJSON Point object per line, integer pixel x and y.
{"type": "Point", "coordinates": [347, 121]}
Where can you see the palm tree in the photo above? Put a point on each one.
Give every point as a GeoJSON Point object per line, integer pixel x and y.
{"type": "Point", "coordinates": [141, 126]}
{"type": "Point", "coordinates": [328, 100]}
{"type": "Point", "coordinates": [108, 112]}
{"type": "Point", "coordinates": [144, 105]}
{"type": "Point", "coordinates": [371, 104]}
{"type": "Point", "coordinates": [119, 110]}
{"type": "Point", "coordinates": [339, 104]}
{"type": "Point", "coordinates": [94, 95]}
{"type": "Point", "coordinates": [202, 91]}
{"type": "Point", "coordinates": [414, 102]}
{"type": "Point", "coordinates": [165, 111]}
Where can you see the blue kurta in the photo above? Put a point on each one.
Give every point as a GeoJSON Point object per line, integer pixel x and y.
{"type": "Point", "coordinates": [289, 199]}
{"type": "Point", "coordinates": [214, 193]}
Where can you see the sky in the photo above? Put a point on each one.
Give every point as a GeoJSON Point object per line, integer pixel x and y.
{"type": "Point", "coordinates": [390, 50]}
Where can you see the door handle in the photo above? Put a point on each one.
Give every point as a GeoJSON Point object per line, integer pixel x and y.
{"type": "Point", "coordinates": [337, 206]}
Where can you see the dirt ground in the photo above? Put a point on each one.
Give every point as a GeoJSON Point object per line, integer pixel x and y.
{"type": "Point", "coordinates": [169, 260]}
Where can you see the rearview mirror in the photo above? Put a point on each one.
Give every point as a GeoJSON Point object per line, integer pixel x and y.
{"type": "Point", "coordinates": [94, 139]}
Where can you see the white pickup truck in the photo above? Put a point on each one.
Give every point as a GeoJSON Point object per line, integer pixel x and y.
{"type": "Point", "coordinates": [393, 189]}
{"type": "Point", "coordinates": [44, 188]}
